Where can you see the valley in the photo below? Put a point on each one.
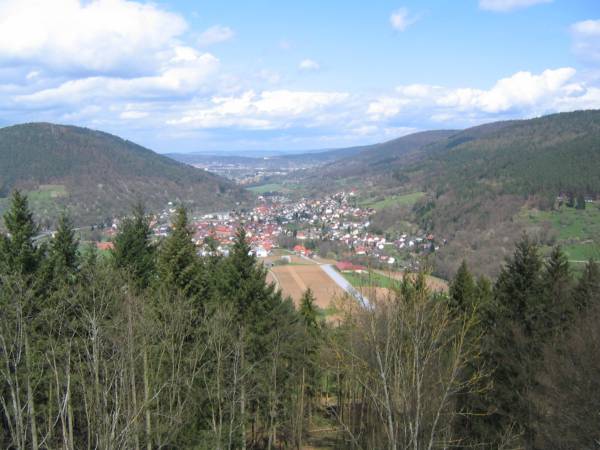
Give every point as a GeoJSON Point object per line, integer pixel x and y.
{"type": "Point", "coordinates": [317, 225]}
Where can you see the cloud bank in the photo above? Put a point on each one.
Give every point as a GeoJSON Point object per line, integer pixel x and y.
{"type": "Point", "coordinates": [137, 69]}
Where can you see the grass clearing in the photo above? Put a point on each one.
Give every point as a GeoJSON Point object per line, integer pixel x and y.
{"type": "Point", "coordinates": [370, 279]}
{"type": "Point", "coordinates": [271, 187]}
{"type": "Point", "coordinates": [577, 230]}
{"type": "Point", "coordinates": [47, 192]}
{"type": "Point", "coordinates": [276, 187]}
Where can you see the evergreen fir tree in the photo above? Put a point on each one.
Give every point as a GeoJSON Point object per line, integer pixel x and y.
{"type": "Point", "coordinates": [263, 320]}
{"type": "Point", "coordinates": [462, 291]}
{"type": "Point", "coordinates": [178, 265]}
{"type": "Point", "coordinates": [308, 312]}
{"type": "Point", "coordinates": [587, 291]}
{"type": "Point", "coordinates": [64, 245]}
{"type": "Point", "coordinates": [18, 253]}
{"type": "Point", "coordinates": [62, 262]}
{"type": "Point", "coordinates": [512, 348]}
{"type": "Point", "coordinates": [519, 285]}
{"type": "Point", "coordinates": [133, 250]}
{"type": "Point", "coordinates": [309, 361]}
{"type": "Point", "coordinates": [483, 291]}
{"type": "Point", "coordinates": [466, 298]}
{"type": "Point", "coordinates": [557, 300]}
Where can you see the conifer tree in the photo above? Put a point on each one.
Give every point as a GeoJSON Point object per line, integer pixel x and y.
{"type": "Point", "coordinates": [512, 347]}
{"type": "Point", "coordinates": [462, 291]}
{"type": "Point", "coordinates": [519, 285]}
{"type": "Point", "coordinates": [557, 300]}
{"type": "Point", "coordinates": [62, 259]}
{"type": "Point", "coordinates": [18, 253]}
{"type": "Point", "coordinates": [64, 245]}
{"type": "Point", "coordinates": [246, 285]}
{"type": "Point", "coordinates": [312, 330]}
{"type": "Point", "coordinates": [587, 291]}
{"type": "Point", "coordinates": [470, 301]}
{"type": "Point", "coordinates": [259, 311]}
{"type": "Point", "coordinates": [178, 265]}
{"type": "Point", "coordinates": [308, 312]}
{"type": "Point", "coordinates": [484, 291]}
{"type": "Point", "coordinates": [133, 250]}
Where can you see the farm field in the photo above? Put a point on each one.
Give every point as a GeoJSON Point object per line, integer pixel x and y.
{"type": "Point", "coordinates": [293, 280]}
{"type": "Point", "coordinates": [271, 187]}
{"type": "Point", "coordinates": [388, 279]}
{"type": "Point", "coordinates": [284, 188]}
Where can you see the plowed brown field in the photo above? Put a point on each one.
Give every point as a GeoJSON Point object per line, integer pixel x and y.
{"type": "Point", "coordinates": [293, 280]}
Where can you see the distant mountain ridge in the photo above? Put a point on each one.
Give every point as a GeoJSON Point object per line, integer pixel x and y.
{"type": "Point", "coordinates": [307, 157]}
{"type": "Point", "coordinates": [96, 174]}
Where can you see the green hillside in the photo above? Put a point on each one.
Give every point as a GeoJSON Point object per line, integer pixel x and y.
{"type": "Point", "coordinates": [97, 175]}
{"type": "Point", "coordinates": [383, 157]}
{"type": "Point", "coordinates": [478, 181]}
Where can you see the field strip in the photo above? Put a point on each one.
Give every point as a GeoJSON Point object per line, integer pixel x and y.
{"type": "Point", "coordinates": [343, 283]}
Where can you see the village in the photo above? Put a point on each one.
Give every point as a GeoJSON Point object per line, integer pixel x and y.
{"type": "Point", "coordinates": [302, 227]}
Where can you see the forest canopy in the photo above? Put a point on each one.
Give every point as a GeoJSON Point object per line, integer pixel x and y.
{"type": "Point", "coordinates": [154, 346]}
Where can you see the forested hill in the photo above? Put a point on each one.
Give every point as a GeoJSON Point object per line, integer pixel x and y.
{"type": "Point", "coordinates": [373, 159]}
{"type": "Point", "coordinates": [477, 183]}
{"type": "Point", "coordinates": [483, 181]}
{"type": "Point", "coordinates": [541, 157]}
{"type": "Point", "coordinates": [97, 175]}
{"type": "Point", "coordinates": [485, 191]}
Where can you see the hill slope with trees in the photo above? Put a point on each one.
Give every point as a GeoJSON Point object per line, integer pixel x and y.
{"type": "Point", "coordinates": [479, 181]}
{"type": "Point", "coordinates": [98, 175]}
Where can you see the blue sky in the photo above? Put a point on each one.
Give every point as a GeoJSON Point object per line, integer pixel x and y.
{"type": "Point", "coordinates": [235, 75]}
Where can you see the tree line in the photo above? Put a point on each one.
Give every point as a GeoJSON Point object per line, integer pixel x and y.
{"type": "Point", "coordinates": [155, 347]}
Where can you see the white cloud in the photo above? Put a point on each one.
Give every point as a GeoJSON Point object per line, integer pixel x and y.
{"type": "Point", "coordinates": [186, 72]}
{"type": "Point", "coordinates": [508, 5]}
{"type": "Point", "coordinates": [586, 40]}
{"type": "Point", "coordinates": [101, 36]}
{"type": "Point", "coordinates": [522, 94]}
{"type": "Point", "coordinates": [401, 19]}
{"type": "Point", "coordinates": [523, 89]}
{"type": "Point", "coordinates": [308, 65]}
{"type": "Point", "coordinates": [418, 90]}
{"type": "Point", "coordinates": [215, 35]}
{"type": "Point", "coordinates": [386, 107]}
{"type": "Point", "coordinates": [133, 114]}
{"type": "Point", "coordinates": [267, 110]}
{"type": "Point", "coordinates": [125, 66]}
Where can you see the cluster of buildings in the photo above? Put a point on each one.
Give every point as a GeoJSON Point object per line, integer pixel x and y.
{"type": "Point", "coordinates": [335, 218]}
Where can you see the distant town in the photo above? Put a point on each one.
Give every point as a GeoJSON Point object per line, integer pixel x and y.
{"type": "Point", "coordinates": [333, 226]}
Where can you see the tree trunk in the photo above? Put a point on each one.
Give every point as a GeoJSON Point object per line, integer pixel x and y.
{"type": "Point", "coordinates": [30, 396]}
{"type": "Point", "coordinates": [147, 401]}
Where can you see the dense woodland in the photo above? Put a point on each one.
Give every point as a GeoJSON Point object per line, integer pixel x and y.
{"type": "Point", "coordinates": [98, 175]}
{"type": "Point", "coordinates": [155, 347]}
